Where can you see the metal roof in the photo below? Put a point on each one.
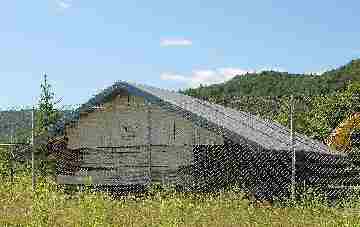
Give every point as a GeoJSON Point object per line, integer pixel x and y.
{"type": "Point", "coordinates": [241, 127]}
{"type": "Point", "coordinates": [266, 133]}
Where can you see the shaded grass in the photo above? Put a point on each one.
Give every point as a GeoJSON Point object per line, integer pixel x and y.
{"type": "Point", "coordinates": [49, 205]}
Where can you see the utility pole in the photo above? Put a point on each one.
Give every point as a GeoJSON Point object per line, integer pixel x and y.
{"type": "Point", "coordinates": [32, 149]}
{"type": "Point", "coordinates": [293, 154]}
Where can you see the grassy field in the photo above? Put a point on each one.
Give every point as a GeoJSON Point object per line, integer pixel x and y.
{"type": "Point", "coordinates": [51, 206]}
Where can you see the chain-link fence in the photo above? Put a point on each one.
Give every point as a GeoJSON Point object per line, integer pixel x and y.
{"type": "Point", "coordinates": [255, 151]}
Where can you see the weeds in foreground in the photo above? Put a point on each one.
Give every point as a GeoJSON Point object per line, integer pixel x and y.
{"type": "Point", "coordinates": [50, 205]}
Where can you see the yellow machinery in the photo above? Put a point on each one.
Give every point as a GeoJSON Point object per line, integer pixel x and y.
{"type": "Point", "coordinates": [345, 137]}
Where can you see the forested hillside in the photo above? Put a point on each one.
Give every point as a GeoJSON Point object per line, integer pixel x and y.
{"type": "Point", "coordinates": [270, 83]}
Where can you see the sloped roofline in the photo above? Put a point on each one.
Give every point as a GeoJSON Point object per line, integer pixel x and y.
{"type": "Point", "coordinates": [240, 127]}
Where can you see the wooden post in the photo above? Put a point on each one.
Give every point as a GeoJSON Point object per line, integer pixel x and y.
{"type": "Point", "coordinates": [292, 148]}
{"type": "Point", "coordinates": [32, 149]}
{"type": "Point", "coordinates": [11, 155]}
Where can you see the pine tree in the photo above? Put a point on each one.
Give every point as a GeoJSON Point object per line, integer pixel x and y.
{"type": "Point", "coordinates": [46, 116]}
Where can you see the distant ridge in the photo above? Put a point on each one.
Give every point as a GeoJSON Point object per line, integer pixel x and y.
{"type": "Point", "coordinates": [272, 83]}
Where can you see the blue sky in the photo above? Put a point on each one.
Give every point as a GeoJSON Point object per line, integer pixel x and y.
{"type": "Point", "coordinates": [85, 46]}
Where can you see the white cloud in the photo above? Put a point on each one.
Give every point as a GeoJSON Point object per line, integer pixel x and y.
{"type": "Point", "coordinates": [213, 76]}
{"type": "Point", "coordinates": [205, 77]}
{"type": "Point", "coordinates": [175, 42]}
{"type": "Point", "coordinates": [229, 73]}
{"type": "Point", "coordinates": [171, 76]}
{"type": "Point", "coordinates": [273, 68]}
{"type": "Point", "coordinates": [64, 4]}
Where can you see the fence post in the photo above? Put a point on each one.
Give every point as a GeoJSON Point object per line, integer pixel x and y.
{"type": "Point", "coordinates": [11, 155]}
{"type": "Point", "coordinates": [32, 150]}
{"type": "Point", "coordinates": [292, 149]}
{"type": "Point", "coordinates": [149, 128]}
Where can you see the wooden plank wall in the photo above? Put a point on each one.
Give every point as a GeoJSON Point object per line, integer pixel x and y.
{"type": "Point", "coordinates": [124, 122]}
{"type": "Point", "coordinates": [129, 165]}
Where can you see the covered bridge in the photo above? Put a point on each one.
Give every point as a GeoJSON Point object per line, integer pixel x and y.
{"type": "Point", "coordinates": [132, 134]}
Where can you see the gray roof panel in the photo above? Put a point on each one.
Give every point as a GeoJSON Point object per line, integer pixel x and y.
{"type": "Point", "coordinates": [268, 134]}
{"type": "Point", "coordinates": [238, 125]}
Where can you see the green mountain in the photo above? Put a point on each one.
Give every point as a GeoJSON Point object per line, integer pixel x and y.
{"type": "Point", "coordinates": [271, 83]}
{"type": "Point", "coordinates": [264, 93]}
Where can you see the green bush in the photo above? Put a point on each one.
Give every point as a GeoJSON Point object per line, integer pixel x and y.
{"type": "Point", "coordinates": [5, 163]}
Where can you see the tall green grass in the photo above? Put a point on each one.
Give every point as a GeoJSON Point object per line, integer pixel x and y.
{"type": "Point", "coordinates": [50, 205]}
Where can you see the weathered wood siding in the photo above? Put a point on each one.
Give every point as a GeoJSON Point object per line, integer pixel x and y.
{"type": "Point", "coordinates": [126, 123]}
{"type": "Point", "coordinates": [160, 142]}
{"type": "Point", "coordinates": [166, 161]}
{"type": "Point", "coordinates": [160, 164]}
{"type": "Point", "coordinates": [73, 133]}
